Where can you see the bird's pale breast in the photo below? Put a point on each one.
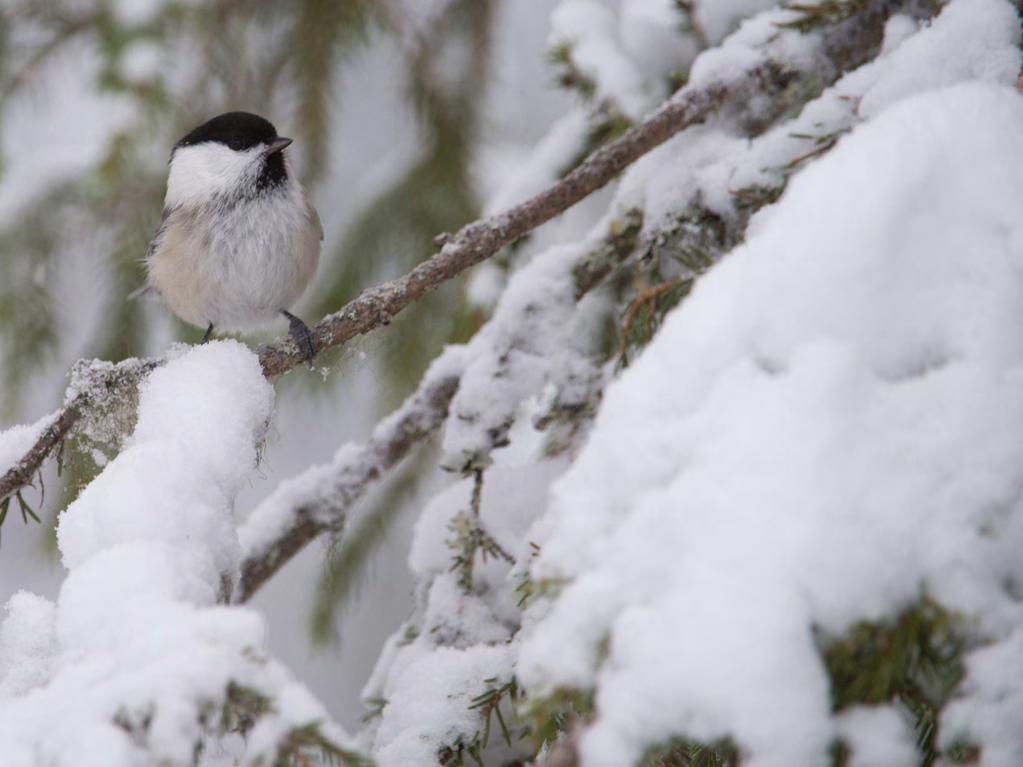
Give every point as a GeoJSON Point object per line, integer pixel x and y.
{"type": "Point", "coordinates": [238, 265]}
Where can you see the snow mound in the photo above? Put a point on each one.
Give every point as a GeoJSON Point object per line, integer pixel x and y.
{"type": "Point", "coordinates": [826, 430]}
{"type": "Point", "coordinates": [136, 659]}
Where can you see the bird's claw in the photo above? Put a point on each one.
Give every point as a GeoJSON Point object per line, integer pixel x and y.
{"type": "Point", "coordinates": [302, 336]}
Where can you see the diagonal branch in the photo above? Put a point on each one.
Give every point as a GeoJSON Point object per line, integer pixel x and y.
{"type": "Point", "coordinates": [481, 239]}
{"type": "Point", "coordinates": [93, 385]}
{"type": "Point", "coordinates": [472, 244]}
{"type": "Point", "coordinates": [318, 499]}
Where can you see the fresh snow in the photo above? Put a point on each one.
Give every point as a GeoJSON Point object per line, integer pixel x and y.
{"type": "Point", "coordinates": [970, 40]}
{"type": "Point", "coordinates": [826, 430]}
{"type": "Point", "coordinates": [537, 337]}
{"type": "Point", "coordinates": [591, 31]}
{"type": "Point", "coordinates": [717, 18]}
{"type": "Point", "coordinates": [136, 647]}
{"type": "Point", "coordinates": [820, 435]}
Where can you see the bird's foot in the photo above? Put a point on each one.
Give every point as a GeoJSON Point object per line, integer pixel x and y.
{"type": "Point", "coordinates": [302, 336]}
{"type": "Point", "coordinates": [209, 332]}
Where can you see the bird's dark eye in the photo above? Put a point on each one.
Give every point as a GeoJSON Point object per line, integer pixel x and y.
{"type": "Point", "coordinates": [235, 143]}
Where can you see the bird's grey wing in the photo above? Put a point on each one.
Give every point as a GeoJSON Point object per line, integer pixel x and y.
{"type": "Point", "coordinates": [161, 231]}
{"type": "Point", "coordinates": [154, 244]}
{"type": "Point", "coordinates": [314, 217]}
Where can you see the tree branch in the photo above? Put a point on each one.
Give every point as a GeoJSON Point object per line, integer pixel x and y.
{"type": "Point", "coordinates": [318, 499]}
{"type": "Point", "coordinates": [472, 244]}
{"type": "Point", "coordinates": [22, 473]}
{"type": "Point", "coordinates": [93, 385]}
{"type": "Point", "coordinates": [481, 239]}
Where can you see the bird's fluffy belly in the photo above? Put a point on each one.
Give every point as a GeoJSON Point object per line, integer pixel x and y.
{"type": "Point", "coordinates": [240, 273]}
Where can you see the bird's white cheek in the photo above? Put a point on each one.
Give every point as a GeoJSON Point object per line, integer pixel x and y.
{"type": "Point", "coordinates": [200, 172]}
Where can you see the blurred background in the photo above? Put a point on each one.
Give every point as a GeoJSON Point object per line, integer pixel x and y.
{"type": "Point", "coordinates": [406, 114]}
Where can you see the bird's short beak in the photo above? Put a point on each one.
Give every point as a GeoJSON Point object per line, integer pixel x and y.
{"type": "Point", "coordinates": [277, 145]}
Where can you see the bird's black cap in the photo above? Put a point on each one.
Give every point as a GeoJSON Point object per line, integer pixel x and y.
{"type": "Point", "coordinates": [241, 131]}
{"type": "Point", "coordinates": [238, 130]}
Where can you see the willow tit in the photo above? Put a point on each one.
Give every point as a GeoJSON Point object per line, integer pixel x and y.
{"type": "Point", "coordinates": [239, 240]}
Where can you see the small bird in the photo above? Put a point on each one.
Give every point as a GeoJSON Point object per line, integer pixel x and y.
{"type": "Point", "coordinates": [239, 240]}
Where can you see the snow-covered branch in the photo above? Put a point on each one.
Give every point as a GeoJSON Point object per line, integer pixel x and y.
{"type": "Point", "coordinates": [533, 340]}
{"type": "Point", "coordinates": [95, 387]}
{"type": "Point", "coordinates": [135, 657]}
{"type": "Point", "coordinates": [319, 499]}
{"type": "Point", "coordinates": [724, 346]}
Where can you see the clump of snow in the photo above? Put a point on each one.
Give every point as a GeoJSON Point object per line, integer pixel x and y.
{"type": "Point", "coordinates": [716, 19]}
{"type": "Point", "coordinates": [970, 40]}
{"type": "Point", "coordinates": [27, 644]}
{"type": "Point", "coordinates": [760, 39]}
{"type": "Point", "coordinates": [538, 337]}
{"type": "Point", "coordinates": [825, 430]}
{"type": "Point", "coordinates": [878, 736]}
{"type": "Point", "coordinates": [200, 421]}
{"type": "Point", "coordinates": [135, 659]}
{"type": "Point", "coordinates": [897, 30]}
{"type": "Point", "coordinates": [659, 37]}
{"type": "Point", "coordinates": [415, 726]}
{"type": "Point", "coordinates": [990, 711]}
{"type": "Point", "coordinates": [459, 643]}
{"type": "Point", "coordinates": [589, 28]}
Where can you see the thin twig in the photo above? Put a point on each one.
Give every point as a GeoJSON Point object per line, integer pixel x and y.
{"type": "Point", "coordinates": [20, 475]}
{"type": "Point", "coordinates": [481, 239]}
{"type": "Point", "coordinates": [649, 297]}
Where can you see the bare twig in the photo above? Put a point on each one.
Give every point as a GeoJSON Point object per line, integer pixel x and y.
{"type": "Point", "coordinates": [481, 239]}
{"type": "Point", "coordinates": [649, 297]}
